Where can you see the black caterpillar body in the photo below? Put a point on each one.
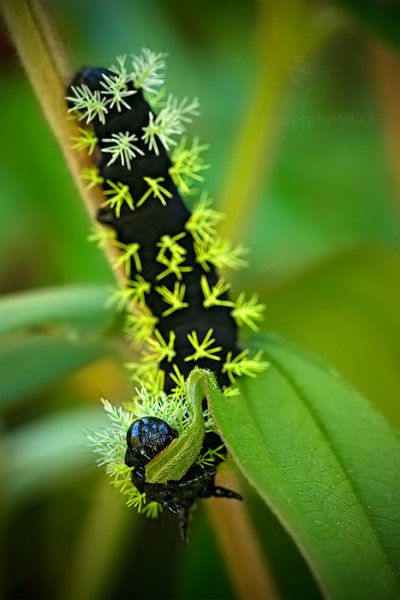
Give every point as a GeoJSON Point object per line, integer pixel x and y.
{"type": "Point", "coordinates": [146, 224]}
{"type": "Point", "coordinates": [148, 436]}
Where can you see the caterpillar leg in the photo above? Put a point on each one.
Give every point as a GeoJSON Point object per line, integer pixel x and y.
{"type": "Point", "coordinates": [220, 492]}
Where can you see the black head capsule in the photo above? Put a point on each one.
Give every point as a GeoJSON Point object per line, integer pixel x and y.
{"type": "Point", "coordinates": [92, 77]}
{"type": "Point", "coordinates": [146, 437]}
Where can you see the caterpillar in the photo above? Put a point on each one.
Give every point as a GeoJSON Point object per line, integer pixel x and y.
{"type": "Point", "coordinates": [171, 258]}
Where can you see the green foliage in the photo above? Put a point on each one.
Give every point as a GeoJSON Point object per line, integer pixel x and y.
{"type": "Point", "coordinates": [30, 365]}
{"type": "Point", "coordinates": [381, 17]}
{"type": "Point", "coordinates": [322, 196]}
{"type": "Point", "coordinates": [345, 309]}
{"type": "Point", "coordinates": [35, 453]}
{"type": "Point", "coordinates": [76, 307]}
{"type": "Point", "coordinates": [48, 334]}
{"type": "Point", "coordinates": [175, 460]}
{"type": "Point", "coordinates": [326, 463]}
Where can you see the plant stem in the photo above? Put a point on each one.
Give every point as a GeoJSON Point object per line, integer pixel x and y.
{"type": "Point", "coordinates": [288, 31]}
{"type": "Point", "coordinates": [386, 72]}
{"type": "Point", "coordinates": [239, 546]}
{"type": "Point", "coordinates": [44, 59]}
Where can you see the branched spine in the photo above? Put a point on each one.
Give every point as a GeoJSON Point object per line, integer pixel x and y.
{"type": "Point", "coordinates": [171, 277]}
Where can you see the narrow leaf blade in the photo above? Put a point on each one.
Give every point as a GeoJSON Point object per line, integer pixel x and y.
{"type": "Point", "coordinates": [29, 365]}
{"type": "Point", "coordinates": [79, 306]}
{"type": "Point", "coordinates": [326, 463]}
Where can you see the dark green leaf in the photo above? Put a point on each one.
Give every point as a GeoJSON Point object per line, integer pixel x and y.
{"type": "Point", "coordinates": [48, 334]}
{"type": "Point", "coordinates": [29, 365]}
{"type": "Point", "coordinates": [75, 306]}
{"type": "Point", "coordinates": [381, 17]}
{"type": "Point", "coordinates": [326, 463]}
{"type": "Point", "coordinates": [41, 454]}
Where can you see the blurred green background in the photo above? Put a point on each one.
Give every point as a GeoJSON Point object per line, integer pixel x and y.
{"type": "Point", "coordinates": [319, 85]}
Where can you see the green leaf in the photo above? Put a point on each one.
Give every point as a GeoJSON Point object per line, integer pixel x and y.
{"type": "Point", "coordinates": [327, 465]}
{"type": "Point", "coordinates": [77, 306]}
{"type": "Point", "coordinates": [381, 17]}
{"type": "Point", "coordinates": [30, 365]}
{"type": "Point", "coordinates": [345, 309]}
{"type": "Point", "coordinates": [175, 460]}
{"type": "Point", "coordinates": [49, 333]}
{"type": "Point", "coordinates": [42, 454]}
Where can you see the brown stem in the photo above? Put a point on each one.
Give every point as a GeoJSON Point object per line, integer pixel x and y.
{"type": "Point", "coordinates": [237, 539]}
{"type": "Point", "coordinates": [44, 59]}
{"type": "Point", "coordinates": [386, 73]}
